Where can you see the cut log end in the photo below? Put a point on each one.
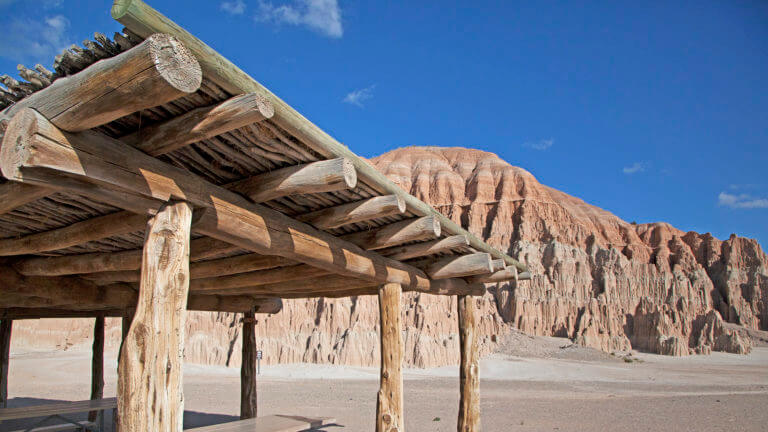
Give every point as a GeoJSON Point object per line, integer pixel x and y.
{"type": "Point", "coordinates": [262, 105]}
{"type": "Point", "coordinates": [175, 62]}
{"type": "Point", "coordinates": [14, 145]}
{"type": "Point", "coordinates": [349, 173]}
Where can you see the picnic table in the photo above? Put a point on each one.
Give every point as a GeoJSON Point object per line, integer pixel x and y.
{"type": "Point", "coordinates": [61, 411]}
{"type": "Point", "coordinates": [273, 423]}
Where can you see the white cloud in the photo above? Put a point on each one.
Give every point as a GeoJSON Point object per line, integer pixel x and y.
{"type": "Point", "coordinates": [634, 168]}
{"type": "Point", "coordinates": [235, 7]}
{"type": "Point", "coordinates": [540, 145]}
{"type": "Point", "coordinates": [357, 97]}
{"type": "Point", "coordinates": [28, 40]}
{"type": "Point", "coordinates": [741, 201]}
{"type": "Point", "coordinates": [323, 16]}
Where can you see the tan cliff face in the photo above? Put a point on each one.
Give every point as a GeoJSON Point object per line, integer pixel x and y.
{"type": "Point", "coordinates": [597, 279]}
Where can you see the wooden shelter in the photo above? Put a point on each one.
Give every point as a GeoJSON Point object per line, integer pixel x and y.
{"type": "Point", "coordinates": [148, 175]}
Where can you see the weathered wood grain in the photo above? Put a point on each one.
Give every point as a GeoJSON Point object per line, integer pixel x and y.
{"type": "Point", "coordinates": [389, 402]}
{"type": "Point", "coordinates": [150, 393]}
{"type": "Point", "coordinates": [469, 377]}
{"type": "Point", "coordinates": [426, 248]}
{"type": "Point", "coordinates": [6, 326]}
{"type": "Point", "coordinates": [360, 211]}
{"type": "Point", "coordinates": [97, 364]}
{"type": "Point", "coordinates": [248, 393]}
{"type": "Point", "coordinates": [397, 233]}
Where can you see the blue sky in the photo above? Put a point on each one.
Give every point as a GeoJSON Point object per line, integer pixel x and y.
{"type": "Point", "coordinates": [656, 111]}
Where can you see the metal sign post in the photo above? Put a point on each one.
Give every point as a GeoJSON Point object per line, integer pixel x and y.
{"type": "Point", "coordinates": [258, 362]}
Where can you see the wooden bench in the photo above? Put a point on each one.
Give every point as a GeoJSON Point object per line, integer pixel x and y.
{"type": "Point", "coordinates": [60, 410]}
{"type": "Point", "coordinates": [273, 423]}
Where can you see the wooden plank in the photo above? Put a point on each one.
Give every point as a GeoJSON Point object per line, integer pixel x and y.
{"type": "Point", "coordinates": [417, 250]}
{"type": "Point", "coordinates": [75, 234]}
{"type": "Point", "coordinates": [273, 423]}
{"type": "Point", "coordinates": [97, 364]}
{"type": "Point", "coordinates": [354, 212]}
{"type": "Point", "coordinates": [389, 403]}
{"type": "Point", "coordinates": [144, 20]}
{"type": "Point", "coordinates": [57, 408]}
{"type": "Point", "coordinates": [459, 266]}
{"type": "Point", "coordinates": [469, 378]}
{"type": "Point", "coordinates": [155, 72]}
{"type": "Point", "coordinates": [150, 393]}
{"type": "Point", "coordinates": [248, 394]}
{"type": "Point", "coordinates": [6, 327]}
{"type": "Point", "coordinates": [47, 155]}
{"type": "Point", "coordinates": [201, 123]}
{"type": "Point", "coordinates": [397, 233]}
{"type": "Point", "coordinates": [322, 176]}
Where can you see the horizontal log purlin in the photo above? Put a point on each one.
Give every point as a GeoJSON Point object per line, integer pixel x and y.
{"type": "Point", "coordinates": [315, 177]}
{"type": "Point", "coordinates": [418, 250]}
{"type": "Point", "coordinates": [20, 313]}
{"type": "Point", "coordinates": [85, 294]}
{"type": "Point", "coordinates": [255, 278]}
{"type": "Point", "coordinates": [354, 212]}
{"type": "Point", "coordinates": [75, 234]}
{"type": "Point", "coordinates": [410, 230]}
{"type": "Point", "coordinates": [44, 155]}
{"type": "Point", "coordinates": [155, 72]}
{"type": "Point", "coordinates": [509, 273]}
{"type": "Point", "coordinates": [143, 20]}
{"type": "Point", "coordinates": [200, 124]}
{"type": "Point", "coordinates": [14, 195]}
{"type": "Point", "coordinates": [201, 249]}
{"type": "Point", "coordinates": [459, 266]}
{"type": "Point", "coordinates": [497, 265]}
{"type": "Point", "coordinates": [524, 276]}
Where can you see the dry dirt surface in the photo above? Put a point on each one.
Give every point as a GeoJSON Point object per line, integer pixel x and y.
{"type": "Point", "coordinates": [549, 386]}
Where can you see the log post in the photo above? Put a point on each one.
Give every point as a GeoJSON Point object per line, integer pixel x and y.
{"type": "Point", "coordinates": [97, 364]}
{"type": "Point", "coordinates": [389, 406]}
{"type": "Point", "coordinates": [149, 386]}
{"type": "Point", "coordinates": [5, 352]}
{"type": "Point", "coordinates": [469, 379]}
{"type": "Point", "coordinates": [248, 399]}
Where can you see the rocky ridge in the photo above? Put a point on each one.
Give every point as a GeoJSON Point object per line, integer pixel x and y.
{"type": "Point", "coordinates": [598, 280]}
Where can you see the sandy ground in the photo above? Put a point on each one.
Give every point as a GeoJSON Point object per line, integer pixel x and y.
{"type": "Point", "coordinates": [551, 386]}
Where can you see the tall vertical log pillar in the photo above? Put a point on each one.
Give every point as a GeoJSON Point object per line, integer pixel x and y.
{"type": "Point", "coordinates": [97, 364]}
{"type": "Point", "coordinates": [149, 385]}
{"type": "Point", "coordinates": [5, 353]}
{"type": "Point", "coordinates": [248, 397]}
{"type": "Point", "coordinates": [389, 405]}
{"type": "Point", "coordinates": [469, 379]}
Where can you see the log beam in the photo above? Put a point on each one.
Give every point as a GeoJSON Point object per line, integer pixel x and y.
{"type": "Point", "coordinates": [155, 72]}
{"type": "Point", "coordinates": [41, 154]}
{"type": "Point", "coordinates": [469, 378]}
{"type": "Point", "coordinates": [460, 266]}
{"type": "Point", "coordinates": [97, 364]}
{"type": "Point", "coordinates": [427, 248]}
{"type": "Point", "coordinates": [6, 326]}
{"type": "Point", "coordinates": [509, 273]}
{"type": "Point", "coordinates": [389, 403]}
{"type": "Point", "coordinates": [406, 231]}
{"type": "Point", "coordinates": [360, 211]}
{"type": "Point", "coordinates": [498, 265]}
{"type": "Point", "coordinates": [38, 313]}
{"type": "Point", "coordinates": [14, 195]}
{"type": "Point", "coordinates": [78, 233]}
{"type": "Point", "coordinates": [150, 393]}
{"type": "Point", "coordinates": [200, 124]}
{"type": "Point", "coordinates": [200, 249]}
{"type": "Point", "coordinates": [315, 177]}
{"type": "Point", "coordinates": [251, 279]}
{"type": "Point", "coordinates": [248, 394]}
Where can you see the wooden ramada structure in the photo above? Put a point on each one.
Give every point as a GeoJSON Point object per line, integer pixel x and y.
{"type": "Point", "coordinates": [149, 175]}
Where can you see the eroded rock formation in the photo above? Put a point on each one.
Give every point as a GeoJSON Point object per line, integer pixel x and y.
{"type": "Point", "coordinates": [599, 280]}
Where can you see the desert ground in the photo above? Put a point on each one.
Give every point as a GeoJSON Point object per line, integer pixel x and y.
{"type": "Point", "coordinates": [531, 384]}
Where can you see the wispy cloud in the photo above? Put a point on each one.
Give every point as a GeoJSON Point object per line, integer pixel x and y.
{"type": "Point", "coordinates": [235, 7]}
{"type": "Point", "coordinates": [28, 40]}
{"type": "Point", "coordinates": [540, 145]}
{"type": "Point", "coordinates": [357, 97]}
{"type": "Point", "coordinates": [744, 201]}
{"type": "Point", "coordinates": [635, 168]}
{"type": "Point", "coordinates": [323, 16]}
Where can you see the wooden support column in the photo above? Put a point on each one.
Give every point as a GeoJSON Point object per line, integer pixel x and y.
{"type": "Point", "coordinates": [248, 399]}
{"type": "Point", "coordinates": [389, 405]}
{"type": "Point", "coordinates": [97, 364]}
{"type": "Point", "coordinates": [469, 379]}
{"type": "Point", "coordinates": [5, 352]}
{"type": "Point", "coordinates": [149, 386]}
